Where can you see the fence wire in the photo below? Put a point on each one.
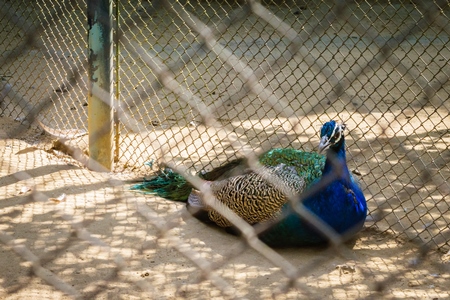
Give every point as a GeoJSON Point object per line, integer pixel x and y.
{"type": "Point", "coordinates": [200, 83]}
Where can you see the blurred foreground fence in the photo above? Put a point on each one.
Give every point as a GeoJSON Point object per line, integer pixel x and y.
{"type": "Point", "coordinates": [201, 82]}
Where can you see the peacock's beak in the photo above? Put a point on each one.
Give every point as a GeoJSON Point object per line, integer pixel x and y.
{"type": "Point", "coordinates": [324, 144]}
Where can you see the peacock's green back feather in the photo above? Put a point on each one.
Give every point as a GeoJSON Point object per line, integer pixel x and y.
{"type": "Point", "coordinates": [309, 165]}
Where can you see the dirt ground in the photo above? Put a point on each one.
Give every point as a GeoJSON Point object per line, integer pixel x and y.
{"type": "Point", "coordinates": [88, 228]}
{"type": "Point", "coordinates": [376, 264]}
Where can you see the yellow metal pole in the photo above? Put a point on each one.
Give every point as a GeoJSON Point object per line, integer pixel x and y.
{"type": "Point", "coordinates": [117, 87]}
{"type": "Point", "coordinates": [100, 95]}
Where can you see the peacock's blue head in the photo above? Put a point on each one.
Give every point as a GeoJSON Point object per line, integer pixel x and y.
{"type": "Point", "coordinates": [331, 135]}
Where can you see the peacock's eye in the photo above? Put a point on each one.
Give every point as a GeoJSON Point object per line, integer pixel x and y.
{"type": "Point", "coordinates": [337, 136]}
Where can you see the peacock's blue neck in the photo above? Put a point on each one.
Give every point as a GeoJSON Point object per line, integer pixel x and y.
{"type": "Point", "coordinates": [336, 158]}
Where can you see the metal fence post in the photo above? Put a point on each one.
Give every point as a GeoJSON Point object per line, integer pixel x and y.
{"type": "Point", "coordinates": [100, 95]}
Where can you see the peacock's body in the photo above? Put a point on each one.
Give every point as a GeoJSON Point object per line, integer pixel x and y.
{"type": "Point", "coordinates": [338, 200]}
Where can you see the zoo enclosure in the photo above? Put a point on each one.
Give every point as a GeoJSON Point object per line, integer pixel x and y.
{"type": "Point", "coordinates": [199, 83]}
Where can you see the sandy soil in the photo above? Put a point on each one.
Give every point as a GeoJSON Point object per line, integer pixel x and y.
{"type": "Point", "coordinates": [42, 186]}
{"type": "Point", "coordinates": [375, 261]}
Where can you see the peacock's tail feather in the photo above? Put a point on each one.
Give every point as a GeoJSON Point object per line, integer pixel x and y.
{"type": "Point", "coordinates": [167, 184]}
{"type": "Point", "coordinates": [171, 185]}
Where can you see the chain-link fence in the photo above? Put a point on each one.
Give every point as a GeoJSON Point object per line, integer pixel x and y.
{"type": "Point", "coordinates": [198, 84]}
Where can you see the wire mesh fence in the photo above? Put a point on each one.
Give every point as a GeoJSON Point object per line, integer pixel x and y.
{"type": "Point", "coordinates": [198, 84]}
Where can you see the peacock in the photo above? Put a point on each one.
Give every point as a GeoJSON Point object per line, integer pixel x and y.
{"type": "Point", "coordinates": [262, 196]}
